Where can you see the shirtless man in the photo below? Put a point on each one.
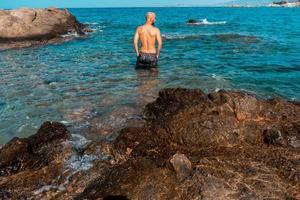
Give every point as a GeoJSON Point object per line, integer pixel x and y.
{"type": "Point", "coordinates": [147, 58]}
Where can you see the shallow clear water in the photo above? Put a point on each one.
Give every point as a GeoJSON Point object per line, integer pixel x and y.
{"type": "Point", "coordinates": [91, 85]}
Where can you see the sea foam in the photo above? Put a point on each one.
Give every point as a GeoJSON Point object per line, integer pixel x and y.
{"type": "Point", "coordinates": [206, 22]}
{"type": "Point", "coordinates": [75, 164]}
{"type": "Point", "coordinates": [70, 35]}
{"type": "Point", "coordinates": [95, 26]}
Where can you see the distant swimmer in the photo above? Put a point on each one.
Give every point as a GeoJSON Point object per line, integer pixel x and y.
{"type": "Point", "coordinates": [147, 57]}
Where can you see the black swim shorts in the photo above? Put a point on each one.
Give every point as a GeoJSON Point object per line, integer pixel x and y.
{"type": "Point", "coordinates": [146, 61]}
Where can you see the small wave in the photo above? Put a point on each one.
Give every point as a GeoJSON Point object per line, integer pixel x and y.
{"type": "Point", "coordinates": [94, 26]}
{"type": "Point", "coordinates": [91, 23]}
{"type": "Point", "coordinates": [181, 37]}
{"type": "Point", "coordinates": [81, 163]}
{"type": "Point", "coordinates": [217, 77]}
{"type": "Point", "coordinates": [65, 122]}
{"type": "Point", "coordinates": [75, 164]}
{"type": "Point", "coordinates": [70, 35]}
{"type": "Point", "coordinates": [20, 129]}
{"type": "Point", "coordinates": [217, 89]}
{"type": "Point", "coordinates": [97, 29]}
{"type": "Point", "coordinates": [47, 188]}
{"type": "Point", "coordinates": [206, 22]}
{"type": "Point", "coordinates": [79, 141]}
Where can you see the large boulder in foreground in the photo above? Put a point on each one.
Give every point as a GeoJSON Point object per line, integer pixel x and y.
{"type": "Point", "coordinates": [26, 27]}
{"type": "Point", "coordinates": [224, 145]}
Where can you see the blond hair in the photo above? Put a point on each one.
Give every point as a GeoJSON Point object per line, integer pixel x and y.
{"type": "Point", "coordinates": [150, 15]}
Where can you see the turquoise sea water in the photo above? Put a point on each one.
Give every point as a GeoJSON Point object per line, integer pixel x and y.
{"type": "Point", "coordinates": [90, 84]}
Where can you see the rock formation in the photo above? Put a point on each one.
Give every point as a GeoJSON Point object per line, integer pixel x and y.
{"type": "Point", "coordinates": [26, 27]}
{"type": "Point", "coordinates": [239, 148]}
{"type": "Point", "coordinates": [224, 145]}
{"type": "Point", "coordinates": [28, 164]}
{"type": "Point", "coordinates": [192, 21]}
{"type": "Point", "coordinates": [285, 4]}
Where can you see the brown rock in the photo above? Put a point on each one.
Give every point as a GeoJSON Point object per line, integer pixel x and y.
{"type": "Point", "coordinates": [27, 164]}
{"type": "Point", "coordinates": [26, 27]}
{"type": "Point", "coordinates": [87, 30]}
{"type": "Point", "coordinates": [241, 147]}
{"type": "Point", "coordinates": [33, 152]}
{"type": "Point", "coordinates": [232, 145]}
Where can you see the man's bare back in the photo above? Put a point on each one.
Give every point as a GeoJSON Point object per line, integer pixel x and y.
{"type": "Point", "coordinates": [148, 35]}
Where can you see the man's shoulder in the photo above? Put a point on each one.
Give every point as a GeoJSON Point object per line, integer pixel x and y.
{"type": "Point", "coordinates": [140, 28]}
{"type": "Point", "coordinates": [156, 29]}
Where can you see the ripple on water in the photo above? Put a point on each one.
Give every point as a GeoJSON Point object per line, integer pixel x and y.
{"type": "Point", "coordinates": [2, 106]}
{"type": "Point", "coordinates": [226, 37]}
{"type": "Point", "coordinates": [237, 38]}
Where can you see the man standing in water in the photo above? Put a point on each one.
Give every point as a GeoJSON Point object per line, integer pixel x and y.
{"type": "Point", "coordinates": [148, 57]}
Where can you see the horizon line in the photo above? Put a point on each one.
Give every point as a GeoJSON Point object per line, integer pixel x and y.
{"type": "Point", "coordinates": [204, 6]}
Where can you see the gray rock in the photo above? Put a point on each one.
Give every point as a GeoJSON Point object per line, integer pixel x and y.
{"type": "Point", "coordinates": [182, 166]}
{"type": "Point", "coordinates": [294, 142]}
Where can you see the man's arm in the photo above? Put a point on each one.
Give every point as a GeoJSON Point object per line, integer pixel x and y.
{"type": "Point", "coordinates": [159, 41]}
{"type": "Point", "coordinates": [136, 42]}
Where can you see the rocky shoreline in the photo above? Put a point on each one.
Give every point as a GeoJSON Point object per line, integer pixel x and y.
{"type": "Point", "coordinates": [29, 27]}
{"type": "Point", "coordinates": [223, 145]}
{"type": "Point", "coordinates": [285, 4]}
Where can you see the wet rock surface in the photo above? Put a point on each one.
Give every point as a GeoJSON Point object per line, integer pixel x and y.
{"type": "Point", "coordinates": [239, 148]}
{"type": "Point", "coordinates": [192, 21]}
{"type": "Point", "coordinates": [33, 152]}
{"type": "Point", "coordinates": [52, 164]}
{"type": "Point", "coordinates": [223, 145]}
{"type": "Point", "coordinates": [27, 27]}
{"type": "Point", "coordinates": [27, 164]}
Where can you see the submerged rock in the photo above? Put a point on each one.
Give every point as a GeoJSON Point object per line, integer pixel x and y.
{"type": "Point", "coordinates": [87, 30]}
{"type": "Point", "coordinates": [27, 27]}
{"type": "Point", "coordinates": [192, 21]}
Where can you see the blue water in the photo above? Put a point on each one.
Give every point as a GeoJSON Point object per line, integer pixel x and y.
{"type": "Point", "coordinates": [90, 84]}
